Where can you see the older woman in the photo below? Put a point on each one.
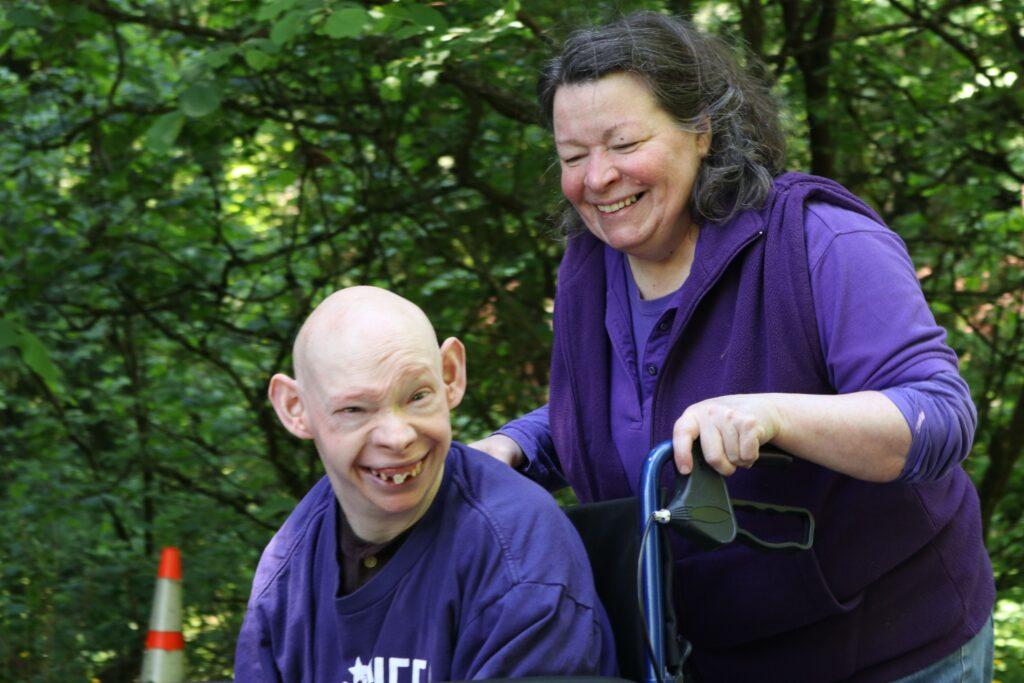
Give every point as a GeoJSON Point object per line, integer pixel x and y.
{"type": "Point", "coordinates": [705, 296]}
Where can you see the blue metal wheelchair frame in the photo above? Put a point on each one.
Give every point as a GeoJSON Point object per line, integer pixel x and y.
{"type": "Point", "coordinates": [653, 591]}
{"type": "Point", "coordinates": [705, 490]}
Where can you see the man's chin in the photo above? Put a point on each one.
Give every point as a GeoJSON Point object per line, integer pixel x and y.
{"type": "Point", "coordinates": [407, 502]}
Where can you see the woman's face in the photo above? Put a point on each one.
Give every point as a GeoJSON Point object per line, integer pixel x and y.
{"type": "Point", "coordinates": [626, 167]}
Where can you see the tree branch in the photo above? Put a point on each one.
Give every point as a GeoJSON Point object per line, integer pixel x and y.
{"type": "Point", "coordinates": [104, 8]}
{"type": "Point", "coordinates": [501, 101]}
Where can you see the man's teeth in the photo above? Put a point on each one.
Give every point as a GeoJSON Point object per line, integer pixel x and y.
{"type": "Point", "coordinates": [609, 208]}
{"type": "Point", "coordinates": [388, 474]}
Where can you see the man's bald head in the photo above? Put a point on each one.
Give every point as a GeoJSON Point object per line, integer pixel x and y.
{"type": "Point", "coordinates": [356, 321]}
{"type": "Point", "coordinates": [374, 391]}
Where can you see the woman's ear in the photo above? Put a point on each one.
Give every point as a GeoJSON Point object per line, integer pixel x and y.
{"type": "Point", "coordinates": [284, 396]}
{"type": "Point", "coordinates": [453, 370]}
{"type": "Point", "coordinates": [704, 139]}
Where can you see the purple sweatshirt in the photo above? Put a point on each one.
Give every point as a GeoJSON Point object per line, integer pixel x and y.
{"type": "Point", "coordinates": [492, 582]}
{"type": "Point", "coordinates": [898, 576]}
{"type": "Point", "coordinates": [913, 367]}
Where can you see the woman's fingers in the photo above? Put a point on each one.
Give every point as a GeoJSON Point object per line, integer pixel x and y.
{"type": "Point", "coordinates": [749, 447]}
{"type": "Point", "coordinates": [684, 433]}
{"type": "Point", "coordinates": [500, 447]}
{"type": "Point", "coordinates": [730, 429]}
{"type": "Point", "coordinates": [713, 444]}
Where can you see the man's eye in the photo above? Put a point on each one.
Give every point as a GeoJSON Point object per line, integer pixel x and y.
{"type": "Point", "coordinates": [420, 395]}
{"type": "Point", "coordinates": [626, 146]}
{"type": "Point", "coordinates": [573, 160]}
{"type": "Point", "coordinates": [351, 410]}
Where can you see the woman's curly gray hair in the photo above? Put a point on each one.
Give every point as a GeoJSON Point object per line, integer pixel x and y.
{"type": "Point", "coordinates": [696, 79]}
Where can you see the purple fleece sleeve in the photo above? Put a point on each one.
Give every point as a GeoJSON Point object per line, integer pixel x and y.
{"type": "Point", "coordinates": [942, 418]}
{"type": "Point", "coordinates": [877, 333]}
{"type": "Point", "coordinates": [532, 433]}
{"type": "Point", "coordinates": [254, 661]}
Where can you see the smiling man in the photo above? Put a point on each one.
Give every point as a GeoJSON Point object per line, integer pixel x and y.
{"type": "Point", "coordinates": [415, 559]}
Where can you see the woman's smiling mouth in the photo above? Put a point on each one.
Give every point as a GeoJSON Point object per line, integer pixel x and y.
{"type": "Point", "coordinates": [619, 205]}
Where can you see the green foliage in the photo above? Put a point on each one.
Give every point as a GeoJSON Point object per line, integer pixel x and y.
{"type": "Point", "coordinates": [1009, 642]}
{"type": "Point", "coordinates": [183, 181]}
{"type": "Point", "coordinates": [33, 354]}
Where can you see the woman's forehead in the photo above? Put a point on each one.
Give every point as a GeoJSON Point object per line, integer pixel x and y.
{"type": "Point", "coordinates": [615, 101]}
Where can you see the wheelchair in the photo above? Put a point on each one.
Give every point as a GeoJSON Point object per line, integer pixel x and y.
{"type": "Point", "coordinates": [627, 545]}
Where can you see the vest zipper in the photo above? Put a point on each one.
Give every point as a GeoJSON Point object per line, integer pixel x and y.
{"type": "Point", "coordinates": [674, 343]}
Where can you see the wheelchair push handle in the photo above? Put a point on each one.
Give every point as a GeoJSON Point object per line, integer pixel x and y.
{"type": "Point", "coordinates": [770, 456]}
{"type": "Point", "coordinates": [703, 509]}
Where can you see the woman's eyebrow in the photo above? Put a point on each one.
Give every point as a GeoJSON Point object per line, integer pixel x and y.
{"type": "Point", "coordinates": [607, 133]}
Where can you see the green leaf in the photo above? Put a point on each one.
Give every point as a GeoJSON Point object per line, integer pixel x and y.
{"type": "Point", "coordinates": [33, 353]}
{"type": "Point", "coordinates": [395, 12]}
{"type": "Point", "coordinates": [200, 99]}
{"type": "Point", "coordinates": [24, 17]}
{"type": "Point", "coordinates": [347, 22]}
{"type": "Point", "coordinates": [164, 131]}
{"type": "Point", "coordinates": [407, 32]}
{"type": "Point", "coordinates": [384, 24]}
{"type": "Point", "coordinates": [72, 13]}
{"type": "Point", "coordinates": [270, 10]}
{"type": "Point", "coordinates": [391, 89]}
{"type": "Point", "coordinates": [219, 57]}
{"type": "Point", "coordinates": [37, 359]}
{"type": "Point", "coordinates": [265, 44]}
{"type": "Point", "coordinates": [8, 334]}
{"type": "Point", "coordinates": [289, 26]}
{"type": "Point", "coordinates": [427, 16]}
{"type": "Point", "coordinates": [257, 59]}
{"type": "Point", "coordinates": [282, 178]}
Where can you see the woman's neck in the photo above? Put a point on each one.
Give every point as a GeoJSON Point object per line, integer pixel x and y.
{"type": "Point", "coordinates": [655, 279]}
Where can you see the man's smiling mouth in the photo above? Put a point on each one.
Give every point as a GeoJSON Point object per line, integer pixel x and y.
{"type": "Point", "coordinates": [621, 204]}
{"type": "Point", "coordinates": [397, 475]}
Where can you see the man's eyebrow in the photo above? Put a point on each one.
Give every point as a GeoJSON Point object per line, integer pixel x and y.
{"type": "Point", "coordinates": [354, 396]}
{"type": "Point", "coordinates": [372, 394]}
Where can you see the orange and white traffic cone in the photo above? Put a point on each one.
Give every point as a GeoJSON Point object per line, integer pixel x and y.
{"type": "Point", "coordinates": [164, 661]}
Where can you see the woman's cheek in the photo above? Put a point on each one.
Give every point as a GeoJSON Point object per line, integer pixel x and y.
{"type": "Point", "coordinates": [572, 186]}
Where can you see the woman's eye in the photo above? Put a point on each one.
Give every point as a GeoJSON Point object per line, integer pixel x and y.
{"type": "Point", "coordinates": [351, 410]}
{"type": "Point", "coordinates": [573, 160]}
{"type": "Point", "coordinates": [626, 146]}
{"type": "Point", "coordinates": [419, 395]}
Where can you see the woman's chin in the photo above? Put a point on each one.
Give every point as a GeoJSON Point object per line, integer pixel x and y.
{"type": "Point", "coordinates": [620, 239]}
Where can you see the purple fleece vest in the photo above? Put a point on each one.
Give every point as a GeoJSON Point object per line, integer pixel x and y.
{"type": "Point", "coordinates": [898, 576]}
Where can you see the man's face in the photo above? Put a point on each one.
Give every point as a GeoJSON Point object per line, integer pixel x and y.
{"type": "Point", "coordinates": [379, 415]}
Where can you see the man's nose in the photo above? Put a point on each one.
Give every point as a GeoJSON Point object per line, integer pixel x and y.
{"type": "Point", "coordinates": [601, 171]}
{"type": "Point", "coordinates": [394, 431]}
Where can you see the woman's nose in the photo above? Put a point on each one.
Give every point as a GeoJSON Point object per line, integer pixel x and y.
{"type": "Point", "coordinates": [601, 172]}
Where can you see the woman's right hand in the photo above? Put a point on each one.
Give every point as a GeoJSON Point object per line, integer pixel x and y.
{"type": "Point", "coordinates": [502, 448]}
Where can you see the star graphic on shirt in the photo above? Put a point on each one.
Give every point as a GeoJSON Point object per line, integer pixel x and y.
{"type": "Point", "coordinates": [361, 673]}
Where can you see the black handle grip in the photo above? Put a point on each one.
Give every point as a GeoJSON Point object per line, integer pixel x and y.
{"type": "Point", "coordinates": [770, 456]}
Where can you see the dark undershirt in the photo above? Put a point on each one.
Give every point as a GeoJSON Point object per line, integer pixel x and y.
{"type": "Point", "coordinates": [361, 560]}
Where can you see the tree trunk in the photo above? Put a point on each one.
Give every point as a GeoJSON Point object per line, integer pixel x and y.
{"type": "Point", "coordinates": [1004, 451]}
{"type": "Point", "coordinates": [814, 57]}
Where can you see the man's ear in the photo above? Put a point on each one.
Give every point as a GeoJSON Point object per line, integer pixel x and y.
{"type": "Point", "coordinates": [284, 395]}
{"type": "Point", "coordinates": [453, 370]}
